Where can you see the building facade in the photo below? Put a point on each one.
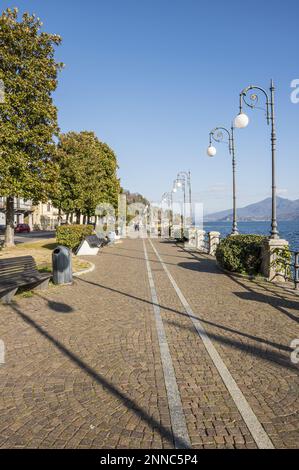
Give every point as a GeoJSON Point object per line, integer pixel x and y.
{"type": "Point", "coordinates": [42, 216]}
{"type": "Point", "coordinates": [45, 216]}
{"type": "Point", "coordinates": [23, 211]}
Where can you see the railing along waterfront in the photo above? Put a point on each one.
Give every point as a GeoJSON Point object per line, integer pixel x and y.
{"type": "Point", "coordinates": [291, 272]}
{"type": "Point", "coordinates": [294, 271]}
{"type": "Point", "coordinates": [206, 243]}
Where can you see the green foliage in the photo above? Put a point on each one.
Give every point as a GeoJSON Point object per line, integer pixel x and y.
{"type": "Point", "coordinates": [72, 235]}
{"type": "Point", "coordinates": [133, 198]}
{"type": "Point", "coordinates": [241, 253]}
{"type": "Point", "coordinates": [28, 117]}
{"type": "Point", "coordinates": [282, 261]}
{"type": "Point", "coordinates": [87, 174]}
{"type": "Point", "coordinates": [137, 203]}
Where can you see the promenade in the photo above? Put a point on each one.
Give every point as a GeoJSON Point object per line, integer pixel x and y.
{"type": "Point", "coordinates": [156, 348]}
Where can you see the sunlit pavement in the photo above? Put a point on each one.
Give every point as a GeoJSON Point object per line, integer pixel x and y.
{"type": "Point", "coordinates": [106, 364]}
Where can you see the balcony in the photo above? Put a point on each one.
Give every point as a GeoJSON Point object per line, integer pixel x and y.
{"type": "Point", "coordinates": [20, 205]}
{"type": "Point", "coordinates": [23, 206]}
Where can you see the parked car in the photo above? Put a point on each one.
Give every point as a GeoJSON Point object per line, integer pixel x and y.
{"type": "Point", "coordinates": [2, 229]}
{"type": "Point", "coordinates": [22, 228]}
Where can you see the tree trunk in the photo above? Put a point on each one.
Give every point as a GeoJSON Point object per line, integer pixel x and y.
{"type": "Point", "coordinates": [78, 215]}
{"type": "Point", "coordinates": [59, 217]}
{"type": "Point", "coordinates": [10, 218]}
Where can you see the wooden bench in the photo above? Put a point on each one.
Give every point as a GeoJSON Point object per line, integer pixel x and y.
{"type": "Point", "coordinates": [20, 272]}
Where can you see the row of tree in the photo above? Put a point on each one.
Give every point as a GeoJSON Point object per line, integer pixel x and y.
{"type": "Point", "coordinates": [75, 170]}
{"type": "Point", "coordinates": [87, 170]}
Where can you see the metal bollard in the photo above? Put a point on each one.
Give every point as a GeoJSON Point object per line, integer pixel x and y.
{"type": "Point", "coordinates": [62, 265]}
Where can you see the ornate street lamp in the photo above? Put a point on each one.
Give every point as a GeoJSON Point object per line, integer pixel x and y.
{"type": "Point", "coordinates": [218, 136]}
{"type": "Point", "coordinates": [242, 121]}
{"type": "Point", "coordinates": [184, 178]}
{"type": "Point", "coordinates": [180, 183]}
{"type": "Point", "coordinates": [168, 197]}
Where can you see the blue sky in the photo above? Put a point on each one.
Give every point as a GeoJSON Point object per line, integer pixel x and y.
{"type": "Point", "coordinates": [153, 77]}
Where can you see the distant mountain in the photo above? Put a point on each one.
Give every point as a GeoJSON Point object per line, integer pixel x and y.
{"type": "Point", "coordinates": [286, 210]}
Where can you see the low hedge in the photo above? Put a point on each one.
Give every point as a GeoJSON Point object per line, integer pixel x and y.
{"type": "Point", "coordinates": [241, 253]}
{"type": "Point", "coordinates": [72, 235]}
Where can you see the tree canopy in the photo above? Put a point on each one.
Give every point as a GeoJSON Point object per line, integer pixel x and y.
{"type": "Point", "coordinates": [28, 116]}
{"type": "Point", "coordinates": [87, 173]}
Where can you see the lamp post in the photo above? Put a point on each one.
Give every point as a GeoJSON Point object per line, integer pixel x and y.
{"type": "Point", "coordinates": [242, 121]}
{"type": "Point", "coordinates": [218, 136]}
{"type": "Point", "coordinates": [168, 197]}
{"type": "Point", "coordinates": [186, 177]}
{"type": "Point", "coordinates": [180, 183]}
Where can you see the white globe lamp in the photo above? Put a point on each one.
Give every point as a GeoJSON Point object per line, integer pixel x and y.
{"type": "Point", "coordinates": [241, 121]}
{"type": "Point", "coordinates": [211, 151]}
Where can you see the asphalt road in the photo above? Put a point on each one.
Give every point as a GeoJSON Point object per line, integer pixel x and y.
{"type": "Point", "coordinates": [32, 237]}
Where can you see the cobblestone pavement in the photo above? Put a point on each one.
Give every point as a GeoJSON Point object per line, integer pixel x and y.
{"type": "Point", "coordinates": [83, 365]}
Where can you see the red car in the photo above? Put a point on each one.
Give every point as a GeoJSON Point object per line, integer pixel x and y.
{"type": "Point", "coordinates": [22, 228]}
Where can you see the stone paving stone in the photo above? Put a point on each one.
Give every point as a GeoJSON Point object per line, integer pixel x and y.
{"type": "Point", "coordinates": [252, 325]}
{"type": "Point", "coordinates": [83, 366]}
{"type": "Point", "coordinates": [85, 355]}
{"type": "Point", "coordinates": [208, 407]}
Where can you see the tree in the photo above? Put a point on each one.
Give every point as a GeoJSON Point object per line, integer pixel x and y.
{"type": "Point", "coordinates": [133, 198]}
{"type": "Point", "coordinates": [28, 118]}
{"type": "Point", "coordinates": [87, 174]}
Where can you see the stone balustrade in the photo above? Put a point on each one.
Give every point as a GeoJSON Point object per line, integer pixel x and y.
{"type": "Point", "coordinates": [207, 242]}
{"type": "Point", "coordinates": [203, 241]}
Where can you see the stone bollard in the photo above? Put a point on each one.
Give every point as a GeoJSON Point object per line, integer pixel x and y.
{"type": "Point", "coordinates": [191, 243]}
{"type": "Point", "coordinates": [200, 240]}
{"type": "Point", "coordinates": [186, 232]}
{"type": "Point", "coordinates": [177, 232]}
{"type": "Point", "coordinates": [214, 240]}
{"type": "Point", "coordinates": [269, 270]}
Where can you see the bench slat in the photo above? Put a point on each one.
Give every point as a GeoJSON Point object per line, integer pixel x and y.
{"type": "Point", "coordinates": [17, 259]}
{"type": "Point", "coordinates": [19, 272]}
{"type": "Point", "coordinates": [14, 279]}
{"type": "Point", "coordinates": [4, 287]}
{"type": "Point", "coordinates": [16, 268]}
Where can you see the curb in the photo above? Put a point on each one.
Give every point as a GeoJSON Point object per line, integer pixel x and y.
{"type": "Point", "coordinates": [86, 271]}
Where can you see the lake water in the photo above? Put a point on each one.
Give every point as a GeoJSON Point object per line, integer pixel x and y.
{"type": "Point", "coordinates": [289, 230]}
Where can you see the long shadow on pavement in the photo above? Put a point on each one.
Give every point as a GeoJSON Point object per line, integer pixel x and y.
{"type": "Point", "coordinates": [264, 355]}
{"type": "Point", "coordinates": [177, 312]}
{"type": "Point", "coordinates": [278, 302]}
{"type": "Point", "coordinates": [112, 389]}
{"type": "Point", "coordinates": [202, 266]}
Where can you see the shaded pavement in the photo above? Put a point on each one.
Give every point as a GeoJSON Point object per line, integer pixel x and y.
{"type": "Point", "coordinates": [83, 364]}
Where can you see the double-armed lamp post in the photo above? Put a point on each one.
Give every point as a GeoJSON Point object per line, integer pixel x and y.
{"type": "Point", "coordinates": [168, 197]}
{"type": "Point", "coordinates": [180, 183]}
{"type": "Point", "coordinates": [242, 121]}
{"type": "Point", "coordinates": [184, 179]}
{"type": "Point", "coordinates": [217, 135]}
